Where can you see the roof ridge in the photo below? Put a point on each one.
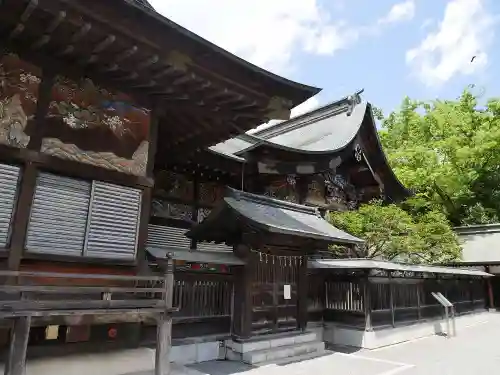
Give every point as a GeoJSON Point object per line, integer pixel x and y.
{"type": "Point", "coordinates": [298, 121]}
{"type": "Point", "coordinates": [256, 198]}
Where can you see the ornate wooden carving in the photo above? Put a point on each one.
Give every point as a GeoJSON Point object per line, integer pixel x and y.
{"type": "Point", "coordinates": [92, 125]}
{"type": "Point", "coordinates": [19, 84]}
{"type": "Point", "coordinates": [161, 208]}
{"type": "Point", "coordinates": [316, 191]}
{"type": "Point", "coordinates": [210, 192]}
{"type": "Point", "coordinates": [174, 185]}
{"type": "Point", "coordinates": [203, 213]}
{"type": "Point", "coordinates": [339, 192]}
{"type": "Point", "coordinates": [284, 188]}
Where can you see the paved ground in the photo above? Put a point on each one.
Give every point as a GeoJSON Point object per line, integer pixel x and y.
{"type": "Point", "coordinates": [475, 351]}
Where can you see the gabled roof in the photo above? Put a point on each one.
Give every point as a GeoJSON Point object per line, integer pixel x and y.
{"type": "Point", "coordinates": [325, 130]}
{"type": "Point", "coordinates": [269, 215]}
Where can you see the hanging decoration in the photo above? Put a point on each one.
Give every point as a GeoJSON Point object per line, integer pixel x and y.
{"type": "Point", "coordinates": [282, 260]}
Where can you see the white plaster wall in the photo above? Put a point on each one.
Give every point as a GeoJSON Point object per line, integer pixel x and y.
{"type": "Point", "coordinates": [339, 335]}
{"type": "Point", "coordinates": [480, 247]}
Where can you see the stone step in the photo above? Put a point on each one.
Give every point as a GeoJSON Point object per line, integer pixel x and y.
{"type": "Point", "coordinates": [277, 353]}
{"type": "Point", "coordinates": [267, 343]}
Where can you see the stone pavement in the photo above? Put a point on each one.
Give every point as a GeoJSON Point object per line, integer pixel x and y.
{"type": "Point", "coordinates": [475, 351]}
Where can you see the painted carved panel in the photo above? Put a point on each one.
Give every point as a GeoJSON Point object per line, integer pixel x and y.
{"type": "Point", "coordinates": [284, 188]}
{"type": "Point", "coordinates": [316, 192]}
{"type": "Point", "coordinates": [210, 192]}
{"type": "Point", "coordinates": [174, 185]}
{"type": "Point", "coordinates": [164, 209]}
{"type": "Point", "coordinates": [19, 83]}
{"type": "Point", "coordinates": [89, 124]}
{"type": "Point", "coordinates": [340, 193]}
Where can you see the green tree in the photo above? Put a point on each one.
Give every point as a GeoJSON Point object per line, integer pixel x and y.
{"type": "Point", "coordinates": [391, 233]}
{"type": "Point", "coordinates": [449, 153]}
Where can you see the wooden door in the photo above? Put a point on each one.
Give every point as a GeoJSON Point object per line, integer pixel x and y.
{"type": "Point", "coordinates": [274, 308]}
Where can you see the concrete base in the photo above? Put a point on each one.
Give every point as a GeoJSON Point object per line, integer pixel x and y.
{"type": "Point", "coordinates": [342, 335]}
{"type": "Point", "coordinates": [274, 349]}
{"type": "Point", "coordinates": [197, 352]}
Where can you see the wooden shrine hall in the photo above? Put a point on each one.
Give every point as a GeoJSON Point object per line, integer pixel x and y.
{"type": "Point", "coordinates": [274, 238]}
{"type": "Point", "coordinates": [137, 198]}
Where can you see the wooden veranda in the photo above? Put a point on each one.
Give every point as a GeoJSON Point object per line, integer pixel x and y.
{"type": "Point", "coordinates": [31, 298]}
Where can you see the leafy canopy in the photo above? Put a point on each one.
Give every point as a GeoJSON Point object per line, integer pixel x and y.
{"type": "Point", "coordinates": [392, 233]}
{"type": "Point", "coordinates": [448, 152]}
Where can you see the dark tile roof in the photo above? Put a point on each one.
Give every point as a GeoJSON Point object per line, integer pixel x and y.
{"type": "Point", "coordinates": [270, 215]}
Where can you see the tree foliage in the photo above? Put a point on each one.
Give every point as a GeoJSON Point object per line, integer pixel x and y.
{"type": "Point", "coordinates": [392, 233]}
{"type": "Point", "coordinates": [448, 152]}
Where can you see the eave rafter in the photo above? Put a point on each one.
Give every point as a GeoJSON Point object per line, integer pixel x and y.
{"type": "Point", "coordinates": [139, 63]}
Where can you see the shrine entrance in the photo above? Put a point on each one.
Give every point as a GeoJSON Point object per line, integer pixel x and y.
{"type": "Point", "coordinates": [273, 239]}
{"type": "Point", "coordinates": [275, 293]}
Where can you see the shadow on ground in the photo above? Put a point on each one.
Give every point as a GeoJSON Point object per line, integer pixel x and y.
{"type": "Point", "coordinates": [221, 367]}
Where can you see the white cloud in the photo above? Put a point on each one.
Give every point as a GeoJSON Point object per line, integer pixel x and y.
{"type": "Point", "coordinates": [307, 106]}
{"type": "Point", "coordinates": [269, 33]}
{"type": "Point", "coordinates": [400, 12]}
{"type": "Point", "coordinates": [465, 31]}
{"type": "Point", "coordinates": [266, 32]}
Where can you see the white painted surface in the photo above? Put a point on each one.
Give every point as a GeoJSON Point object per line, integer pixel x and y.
{"type": "Point", "coordinates": [480, 247]}
{"type": "Point", "coordinates": [339, 335]}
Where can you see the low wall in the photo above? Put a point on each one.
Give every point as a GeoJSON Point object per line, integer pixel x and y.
{"type": "Point", "coordinates": [197, 349]}
{"type": "Point", "coordinates": [342, 335]}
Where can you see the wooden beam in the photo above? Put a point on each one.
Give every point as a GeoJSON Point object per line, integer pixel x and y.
{"type": "Point", "coordinates": [142, 236]}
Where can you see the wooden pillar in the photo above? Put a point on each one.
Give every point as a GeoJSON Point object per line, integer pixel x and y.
{"type": "Point", "coordinates": [16, 360]}
{"type": "Point", "coordinates": [147, 193]}
{"type": "Point", "coordinates": [22, 215]}
{"type": "Point", "coordinates": [391, 297]}
{"type": "Point", "coordinates": [303, 292]}
{"type": "Point", "coordinates": [489, 286]}
{"type": "Point", "coordinates": [142, 235]}
{"type": "Point", "coordinates": [243, 279]}
{"type": "Point", "coordinates": [367, 302]}
{"type": "Point", "coordinates": [164, 327]}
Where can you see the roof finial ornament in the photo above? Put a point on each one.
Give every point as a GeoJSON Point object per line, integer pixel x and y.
{"type": "Point", "coordinates": [353, 100]}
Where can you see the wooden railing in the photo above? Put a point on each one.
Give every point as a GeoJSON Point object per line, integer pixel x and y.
{"type": "Point", "coordinates": [28, 295]}
{"type": "Point", "coordinates": [43, 293]}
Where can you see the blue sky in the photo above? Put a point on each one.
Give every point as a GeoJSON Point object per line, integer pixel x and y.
{"type": "Point", "coordinates": [391, 48]}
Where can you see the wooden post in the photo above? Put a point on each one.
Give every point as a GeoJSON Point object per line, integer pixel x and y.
{"type": "Point", "coordinates": [164, 327]}
{"type": "Point", "coordinates": [16, 361]}
{"type": "Point", "coordinates": [367, 302]}
{"type": "Point", "coordinates": [391, 296]}
{"type": "Point", "coordinates": [489, 286]}
{"type": "Point", "coordinates": [419, 313]}
{"type": "Point", "coordinates": [303, 289]}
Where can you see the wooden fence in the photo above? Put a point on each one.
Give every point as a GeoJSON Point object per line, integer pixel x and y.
{"type": "Point", "coordinates": [389, 301]}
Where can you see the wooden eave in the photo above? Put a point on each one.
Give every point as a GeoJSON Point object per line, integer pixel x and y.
{"type": "Point", "coordinates": [205, 94]}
